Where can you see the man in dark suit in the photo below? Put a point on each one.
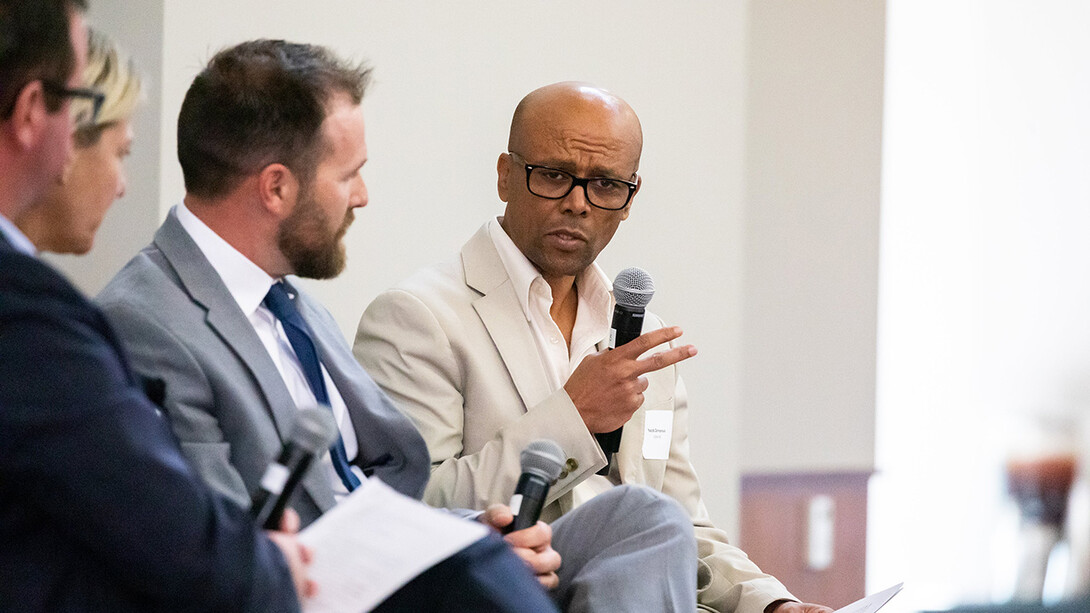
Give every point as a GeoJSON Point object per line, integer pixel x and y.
{"type": "Point", "coordinates": [271, 143]}
{"type": "Point", "coordinates": [98, 509]}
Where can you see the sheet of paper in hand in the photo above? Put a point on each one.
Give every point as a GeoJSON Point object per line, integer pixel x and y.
{"type": "Point", "coordinates": [375, 541]}
{"type": "Point", "coordinates": [872, 603]}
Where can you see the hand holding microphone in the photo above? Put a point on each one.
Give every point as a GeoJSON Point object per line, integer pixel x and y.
{"type": "Point", "coordinates": [541, 462]}
{"type": "Point", "coordinates": [296, 554]}
{"type": "Point", "coordinates": [607, 387]}
{"type": "Point", "coordinates": [313, 433]}
{"type": "Point", "coordinates": [632, 291]}
{"type": "Point", "coordinates": [529, 538]}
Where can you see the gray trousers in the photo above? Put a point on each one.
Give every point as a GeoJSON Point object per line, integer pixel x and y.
{"type": "Point", "coordinates": [629, 549]}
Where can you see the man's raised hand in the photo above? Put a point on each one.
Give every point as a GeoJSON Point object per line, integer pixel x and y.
{"type": "Point", "coordinates": [607, 387]}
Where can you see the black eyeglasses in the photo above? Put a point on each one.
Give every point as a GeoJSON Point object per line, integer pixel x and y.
{"type": "Point", "coordinates": [554, 184]}
{"type": "Point", "coordinates": [82, 116]}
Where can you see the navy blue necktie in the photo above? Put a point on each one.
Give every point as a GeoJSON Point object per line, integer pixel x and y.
{"type": "Point", "coordinates": [302, 341]}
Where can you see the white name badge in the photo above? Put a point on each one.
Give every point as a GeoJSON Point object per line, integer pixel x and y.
{"type": "Point", "coordinates": [657, 428]}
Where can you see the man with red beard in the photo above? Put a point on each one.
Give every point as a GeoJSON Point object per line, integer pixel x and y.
{"type": "Point", "coordinates": [271, 143]}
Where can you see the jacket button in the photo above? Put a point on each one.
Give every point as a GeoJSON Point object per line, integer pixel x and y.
{"type": "Point", "coordinates": [571, 465]}
{"type": "Point", "coordinates": [563, 475]}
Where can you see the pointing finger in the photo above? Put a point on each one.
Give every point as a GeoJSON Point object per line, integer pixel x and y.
{"type": "Point", "coordinates": [662, 359]}
{"type": "Point", "coordinates": [648, 341]}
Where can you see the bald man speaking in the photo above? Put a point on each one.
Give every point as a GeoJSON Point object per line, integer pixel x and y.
{"type": "Point", "coordinates": [506, 343]}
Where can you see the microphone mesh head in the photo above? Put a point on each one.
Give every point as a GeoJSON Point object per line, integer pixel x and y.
{"type": "Point", "coordinates": [314, 429]}
{"type": "Point", "coordinates": [633, 287]}
{"type": "Point", "coordinates": [542, 457]}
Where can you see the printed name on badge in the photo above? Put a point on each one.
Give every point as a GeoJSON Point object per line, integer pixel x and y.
{"type": "Point", "coordinates": [657, 429]}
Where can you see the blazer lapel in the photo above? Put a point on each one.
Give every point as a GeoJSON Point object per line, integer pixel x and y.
{"type": "Point", "coordinates": [501, 314]}
{"type": "Point", "coordinates": [629, 458]}
{"type": "Point", "coordinates": [390, 447]}
{"type": "Point", "coordinates": [204, 286]}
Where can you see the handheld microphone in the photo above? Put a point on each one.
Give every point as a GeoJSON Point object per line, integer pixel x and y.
{"type": "Point", "coordinates": [541, 462]}
{"type": "Point", "coordinates": [313, 433]}
{"type": "Point", "coordinates": [632, 290]}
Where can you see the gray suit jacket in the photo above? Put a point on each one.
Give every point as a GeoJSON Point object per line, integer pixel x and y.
{"type": "Point", "coordinates": [225, 398]}
{"type": "Point", "coordinates": [452, 347]}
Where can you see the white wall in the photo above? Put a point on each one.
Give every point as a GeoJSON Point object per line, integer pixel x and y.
{"type": "Point", "coordinates": [985, 292]}
{"type": "Point", "coordinates": [813, 162]}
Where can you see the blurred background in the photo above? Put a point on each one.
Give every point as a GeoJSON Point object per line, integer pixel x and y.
{"type": "Point", "coordinates": [876, 216]}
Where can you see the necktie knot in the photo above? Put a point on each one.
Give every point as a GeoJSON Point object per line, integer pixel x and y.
{"type": "Point", "coordinates": [279, 302]}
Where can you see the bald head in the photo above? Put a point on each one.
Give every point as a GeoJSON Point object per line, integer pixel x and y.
{"type": "Point", "coordinates": [592, 138]}
{"type": "Point", "coordinates": [564, 111]}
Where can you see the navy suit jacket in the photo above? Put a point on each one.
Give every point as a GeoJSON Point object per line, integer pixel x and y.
{"type": "Point", "coordinates": [99, 511]}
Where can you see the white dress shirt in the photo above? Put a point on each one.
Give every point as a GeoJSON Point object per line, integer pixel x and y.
{"type": "Point", "coordinates": [592, 322]}
{"type": "Point", "coordinates": [16, 237]}
{"type": "Point", "coordinates": [248, 285]}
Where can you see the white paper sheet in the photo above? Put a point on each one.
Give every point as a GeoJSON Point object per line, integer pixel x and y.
{"type": "Point", "coordinates": [375, 541]}
{"type": "Point", "coordinates": [872, 603]}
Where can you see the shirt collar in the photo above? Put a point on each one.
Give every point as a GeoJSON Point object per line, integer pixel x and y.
{"type": "Point", "coordinates": [596, 292]}
{"type": "Point", "coordinates": [593, 285]}
{"type": "Point", "coordinates": [16, 237]}
{"type": "Point", "coordinates": [246, 281]}
{"type": "Point", "coordinates": [519, 268]}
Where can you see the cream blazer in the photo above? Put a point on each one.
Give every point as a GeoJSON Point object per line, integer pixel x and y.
{"type": "Point", "coordinates": [453, 349]}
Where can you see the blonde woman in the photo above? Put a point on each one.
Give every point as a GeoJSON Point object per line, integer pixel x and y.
{"type": "Point", "coordinates": [66, 218]}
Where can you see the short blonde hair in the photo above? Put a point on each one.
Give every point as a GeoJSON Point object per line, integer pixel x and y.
{"type": "Point", "coordinates": [113, 73]}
